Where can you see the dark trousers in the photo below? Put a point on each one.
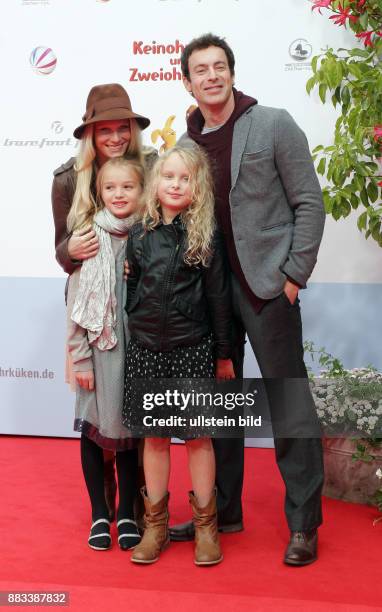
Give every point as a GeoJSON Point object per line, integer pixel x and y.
{"type": "Point", "coordinates": [275, 335]}
{"type": "Point", "coordinates": [229, 454]}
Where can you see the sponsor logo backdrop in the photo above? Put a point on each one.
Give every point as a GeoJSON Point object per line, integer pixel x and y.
{"type": "Point", "coordinates": [53, 52]}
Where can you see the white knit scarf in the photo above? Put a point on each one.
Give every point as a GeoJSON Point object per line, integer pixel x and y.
{"type": "Point", "coordinates": [95, 304]}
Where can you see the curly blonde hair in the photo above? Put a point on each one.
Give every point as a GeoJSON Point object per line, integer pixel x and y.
{"type": "Point", "coordinates": [84, 205]}
{"type": "Point", "coordinates": [198, 217]}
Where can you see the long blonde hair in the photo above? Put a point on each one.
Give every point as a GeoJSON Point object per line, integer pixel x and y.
{"type": "Point", "coordinates": [198, 217]}
{"type": "Point", "coordinates": [84, 205]}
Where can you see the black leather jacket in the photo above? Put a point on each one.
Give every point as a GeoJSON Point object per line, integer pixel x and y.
{"type": "Point", "coordinates": [170, 303]}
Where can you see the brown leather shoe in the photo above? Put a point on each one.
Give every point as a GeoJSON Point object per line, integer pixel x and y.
{"type": "Point", "coordinates": [155, 538]}
{"type": "Point", "coordinates": [185, 532]}
{"type": "Point", "coordinates": [207, 545]}
{"type": "Point", "coordinates": [302, 548]}
{"type": "Point", "coordinates": [110, 485]}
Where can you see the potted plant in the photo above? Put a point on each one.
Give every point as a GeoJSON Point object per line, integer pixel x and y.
{"type": "Point", "coordinates": [349, 407]}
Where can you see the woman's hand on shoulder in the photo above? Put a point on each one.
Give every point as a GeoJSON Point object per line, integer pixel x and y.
{"type": "Point", "coordinates": [85, 379]}
{"type": "Point", "coordinates": [224, 369]}
{"type": "Point", "coordinates": [83, 244]}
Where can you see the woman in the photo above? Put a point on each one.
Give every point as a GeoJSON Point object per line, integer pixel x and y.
{"type": "Point", "coordinates": [109, 129]}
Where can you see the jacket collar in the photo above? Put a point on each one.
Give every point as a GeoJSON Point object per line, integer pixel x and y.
{"type": "Point", "coordinates": [177, 222]}
{"type": "Point", "coordinates": [239, 140]}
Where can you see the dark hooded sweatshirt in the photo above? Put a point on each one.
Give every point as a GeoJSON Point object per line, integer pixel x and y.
{"type": "Point", "coordinates": [218, 146]}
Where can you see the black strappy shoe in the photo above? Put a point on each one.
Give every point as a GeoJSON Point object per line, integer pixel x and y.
{"type": "Point", "coordinates": [100, 538]}
{"type": "Point", "coordinates": [128, 534]}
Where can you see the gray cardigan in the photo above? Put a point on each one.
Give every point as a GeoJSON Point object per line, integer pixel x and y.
{"type": "Point", "coordinates": [277, 211]}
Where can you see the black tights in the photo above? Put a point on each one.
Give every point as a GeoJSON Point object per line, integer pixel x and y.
{"type": "Point", "coordinates": [93, 468]}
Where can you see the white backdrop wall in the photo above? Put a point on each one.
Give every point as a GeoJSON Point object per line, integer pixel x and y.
{"type": "Point", "coordinates": [100, 41]}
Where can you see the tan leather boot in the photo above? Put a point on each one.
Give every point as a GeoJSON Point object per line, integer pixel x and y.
{"type": "Point", "coordinates": [155, 537]}
{"type": "Point", "coordinates": [207, 546]}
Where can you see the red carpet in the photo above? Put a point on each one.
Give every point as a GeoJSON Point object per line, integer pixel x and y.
{"type": "Point", "coordinates": [45, 520]}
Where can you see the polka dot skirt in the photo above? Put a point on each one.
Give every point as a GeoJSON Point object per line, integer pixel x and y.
{"type": "Point", "coordinates": [183, 362]}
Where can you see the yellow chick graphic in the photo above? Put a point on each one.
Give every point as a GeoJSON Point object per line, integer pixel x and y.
{"type": "Point", "coordinates": [168, 135]}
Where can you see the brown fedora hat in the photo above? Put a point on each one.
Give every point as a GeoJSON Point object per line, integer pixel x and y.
{"type": "Point", "coordinates": [108, 103]}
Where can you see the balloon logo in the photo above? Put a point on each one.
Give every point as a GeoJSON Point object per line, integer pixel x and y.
{"type": "Point", "coordinates": [43, 60]}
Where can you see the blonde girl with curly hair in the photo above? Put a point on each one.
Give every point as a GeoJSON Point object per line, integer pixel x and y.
{"type": "Point", "coordinates": [178, 301]}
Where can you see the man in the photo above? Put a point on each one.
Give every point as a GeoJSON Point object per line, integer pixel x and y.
{"type": "Point", "coordinates": [269, 207]}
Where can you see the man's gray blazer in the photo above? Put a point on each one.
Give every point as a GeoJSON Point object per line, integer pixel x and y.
{"type": "Point", "coordinates": [277, 211]}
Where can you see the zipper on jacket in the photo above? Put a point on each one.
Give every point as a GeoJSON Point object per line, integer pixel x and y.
{"type": "Point", "coordinates": [167, 287]}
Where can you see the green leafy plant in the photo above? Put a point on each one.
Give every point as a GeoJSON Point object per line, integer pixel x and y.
{"type": "Point", "coordinates": [333, 366]}
{"type": "Point", "coordinates": [366, 448]}
{"type": "Point", "coordinates": [351, 80]}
